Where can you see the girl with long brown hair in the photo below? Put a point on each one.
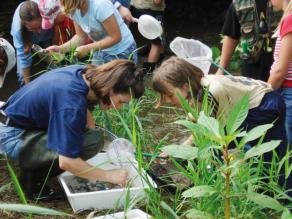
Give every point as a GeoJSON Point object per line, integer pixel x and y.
{"type": "Point", "coordinates": [56, 104]}
{"type": "Point", "coordinates": [26, 30]}
{"type": "Point", "coordinates": [266, 106]}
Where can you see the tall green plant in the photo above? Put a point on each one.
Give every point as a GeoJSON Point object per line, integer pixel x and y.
{"type": "Point", "coordinates": [225, 176]}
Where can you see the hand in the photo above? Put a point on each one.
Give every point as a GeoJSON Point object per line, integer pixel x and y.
{"type": "Point", "coordinates": [126, 14]}
{"type": "Point", "coordinates": [53, 48]}
{"type": "Point", "coordinates": [163, 154]}
{"type": "Point", "coordinates": [118, 176]}
{"type": "Point", "coordinates": [157, 2]}
{"type": "Point", "coordinates": [81, 51]}
{"type": "Point", "coordinates": [219, 72]}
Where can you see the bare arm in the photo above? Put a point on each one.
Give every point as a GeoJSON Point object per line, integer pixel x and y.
{"type": "Point", "coordinates": [113, 37]}
{"type": "Point", "coordinates": [90, 120]}
{"type": "Point", "coordinates": [228, 47]}
{"type": "Point", "coordinates": [80, 168]}
{"type": "Point", "coordinates": [26, 75]}
{"type": "Point", "coordinates": [78, 39]}
{"type": "Point", "coordinates": [279, 72]}
{"type": "Point", "coordinates": [125, 13]}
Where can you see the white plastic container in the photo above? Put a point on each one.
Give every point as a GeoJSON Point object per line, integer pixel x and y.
{"type": "Point", "coordinates": [132, 214]}
{"type": "Point", "coordinates": [106, 199]}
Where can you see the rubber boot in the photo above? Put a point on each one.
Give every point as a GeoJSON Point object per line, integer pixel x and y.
{"type": "Point", "coordinates": [33, 182]}
{"type": "Point", "coordinates": [26, 182]}
{"type": "Point", "coordinates": [148, 67]}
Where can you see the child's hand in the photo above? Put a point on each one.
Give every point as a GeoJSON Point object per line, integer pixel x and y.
{"type": "Point", "coordinates": [118, 176]}
{"type": "Point", "coordinates": [81, 51]}
{"type": "Point", "coordinates": [157, 2]}
{"type": "Point", "coordinates": [53, 48]}
{"type": "Point", "coordinates": [163, 155]}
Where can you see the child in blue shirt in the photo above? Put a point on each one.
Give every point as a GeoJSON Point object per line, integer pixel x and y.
{"type": "Point", "coordinates": [26, 30]}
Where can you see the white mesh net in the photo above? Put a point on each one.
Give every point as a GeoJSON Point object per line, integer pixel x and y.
{"type": "Point", "coordinates": [193, 51]}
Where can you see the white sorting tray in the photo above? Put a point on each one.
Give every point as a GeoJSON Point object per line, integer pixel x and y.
{"type": "Point", "coordinates": [106, 199]}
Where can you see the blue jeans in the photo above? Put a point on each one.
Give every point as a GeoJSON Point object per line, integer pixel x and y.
{"type": "Point", "coordinates": [287, 96]}
{"type": "Point", "coordinates": [10, 141]}
{"type": "Point", "coordinates": [101, 57]}
{"type": "Point", "coordinates": [271, 110]}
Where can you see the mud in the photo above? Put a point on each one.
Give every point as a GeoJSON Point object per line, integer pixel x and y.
{"type": "Point", "coordinates": [80, 185]}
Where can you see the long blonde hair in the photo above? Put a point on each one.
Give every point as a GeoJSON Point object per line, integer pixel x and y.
{"type": "Point", "coordinates": [69, 6]}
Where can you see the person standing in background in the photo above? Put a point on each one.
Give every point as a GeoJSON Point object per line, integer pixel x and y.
{"type": "Point", "coordinates": [154, 8]}
{"type": "Point", "coordinates": [250, 23]}
{"type": "Point", "coordinates": [281, 70]}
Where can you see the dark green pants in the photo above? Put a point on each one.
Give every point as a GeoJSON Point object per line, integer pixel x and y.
{"type": "Point", "coordinates": [34, 152]}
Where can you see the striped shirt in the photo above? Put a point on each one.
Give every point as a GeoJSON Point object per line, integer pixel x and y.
{"type": "Point", "coordinates": [285, 28]}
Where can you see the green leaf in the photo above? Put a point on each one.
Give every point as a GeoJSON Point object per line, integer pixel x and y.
{"type": "Point", "coordinates": [215, 53]}
{"type": "Point", "coordinates": [185, 152]}
{"type": "Point", "coordinates": [31, 209]}
{"type": "Point", "coordinates": [16, 184]}
{"type": "Point", "coordinates": [286, 214]}
{"type": "Point", "coordinates": [198, 191]}
{"type": "Point", "coordinates": [261, 149]}
{"type": "Point", "coordinates": [168, 209]}
{"type": "Point", "coordinates": [257, 132]}
{"type": "Point", "coordinates": [128, 131]}
{"type": "Point", "coordinates": [5, 187]}
{"type": "Point", "coordinates": [234, 65]}
{"type": "Point", "coordinates": [196, 214]}
{"type": "Point", "coordinates": [186, 106]}
{"type": "Point", "coordinates": [265, 201]}
{"type": "Point", "coordinates": [210, 123]}
{"type": "Point", "coordinates": [200, 131]}
{"type": "Point", "coordinates": [237, 115]}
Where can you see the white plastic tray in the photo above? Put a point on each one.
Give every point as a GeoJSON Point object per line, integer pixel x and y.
{"type": "Point", "coordinates": [106, 199]}
{"type": "Point", "coordinates": [132, 214]}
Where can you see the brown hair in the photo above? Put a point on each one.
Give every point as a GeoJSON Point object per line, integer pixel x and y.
{"type": "Point", "coordinates": [69, 6]}
{"type": "Point", "coordinates": [176, 72]}
{"type": "Point", "coordinates": [119, 76]}
{"type": "Point", "coordinates": [28, 11]}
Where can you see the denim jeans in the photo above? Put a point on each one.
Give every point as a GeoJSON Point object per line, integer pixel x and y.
{"type": "Point", "coordinates": [287, 95]}
{"type": "Point", "coordinates": [10, 141]}
{"type": "Point", "coordinates": [101, 57]}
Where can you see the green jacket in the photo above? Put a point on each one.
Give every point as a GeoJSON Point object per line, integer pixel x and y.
{"type": "Point", "coordinates": [249, 20]}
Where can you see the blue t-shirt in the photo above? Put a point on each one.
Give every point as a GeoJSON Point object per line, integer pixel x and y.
{"type": "Point", "coordinates": [91, 23]}
{"type": "Point", "coordinates": [57, 102]}
{"type": "Point", "coordinates": [24, 60]}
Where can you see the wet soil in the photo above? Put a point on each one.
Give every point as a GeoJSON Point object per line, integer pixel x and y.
{"type": "Point", "coordinates": [80, 185]}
